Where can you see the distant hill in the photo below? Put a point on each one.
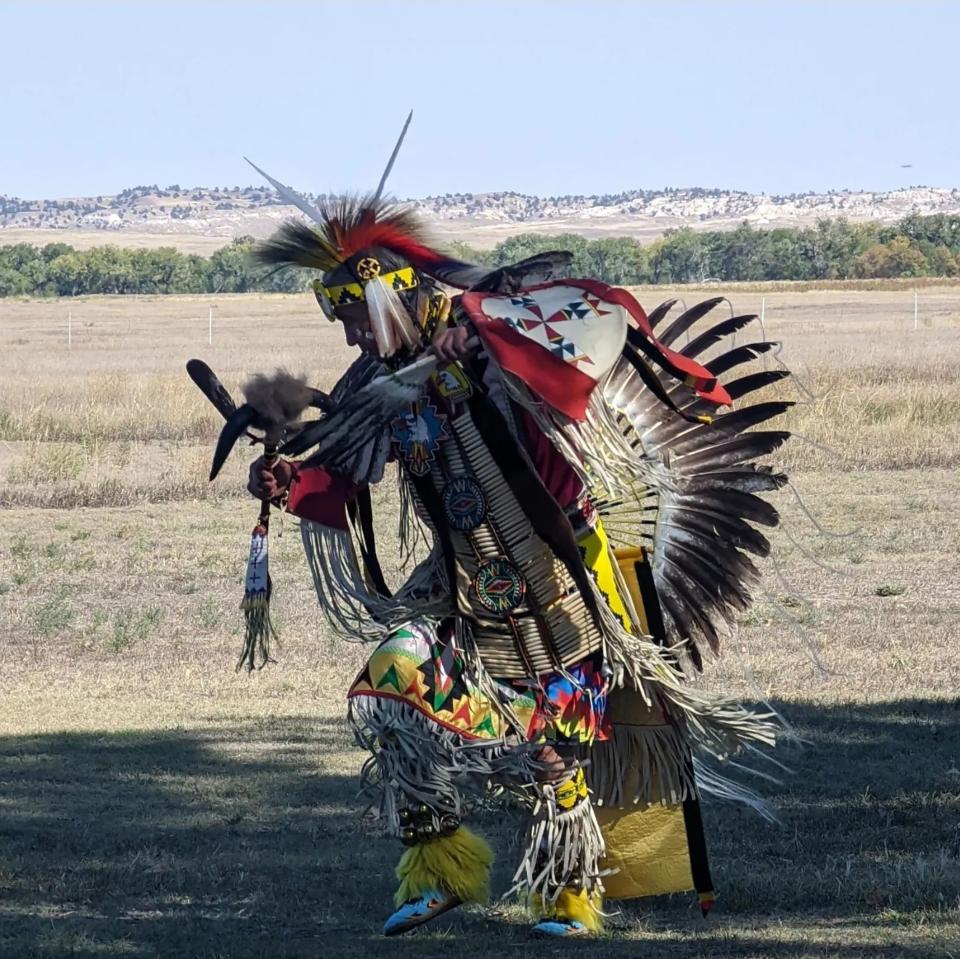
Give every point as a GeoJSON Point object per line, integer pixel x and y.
{"type": "Point", "coordinates": [177, 216]}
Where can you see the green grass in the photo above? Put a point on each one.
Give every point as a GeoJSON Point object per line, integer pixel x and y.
{"type": "Point", "coordinates": [51, 617]}
{"type": "Point", "coordinates": [244, 837]}
{"type": "Point", "coordinates": [891, 589]}
{"type": "Point", "coordinates": [155, 803]}
{"type": "Point", "coordinates": [131, 626]}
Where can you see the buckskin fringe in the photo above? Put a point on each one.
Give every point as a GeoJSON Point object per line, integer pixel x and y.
{"type": "Point", "coordinates": [640, 765]}
{"type": "Point", "coordinates": [712, 783]}
{"type": "Point", "coordinates": [413, 531]}
{"type": "Point", "coordinates": [563, 850]}
{"type": "Point", "coordinates": [650, 765]}
{"type": "Point", "coordinates": [428, 577]}
{"type": "Point", "coordinates": [415, 760]}
{"type": "Point", "coordinates": [719, 727]}
{"type": "Point", "coordinates": [353, 610]}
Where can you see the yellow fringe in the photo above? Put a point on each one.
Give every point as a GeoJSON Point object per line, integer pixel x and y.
{"type": "Point", "coordinates": [457, 864]}
{"type": "Point", "coordinates": [583, 906]}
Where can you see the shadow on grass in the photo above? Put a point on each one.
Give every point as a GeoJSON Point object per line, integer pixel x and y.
{"type": "Point", "coordinates": [244, 838]}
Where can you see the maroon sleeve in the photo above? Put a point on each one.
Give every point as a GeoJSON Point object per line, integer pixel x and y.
{"type": "Point", "coordinates": [320, 496]}
{"type": "Point", "coordinates": [558, 476]}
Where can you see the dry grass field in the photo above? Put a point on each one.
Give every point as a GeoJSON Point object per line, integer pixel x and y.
{"type": "Point", "coordinates": [203, 244]}
{"type": "Point", "coordinates": [480, 232]}
{"type": "Point", "coordinates": [155, 803]}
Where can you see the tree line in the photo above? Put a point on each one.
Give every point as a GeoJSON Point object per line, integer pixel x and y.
{"type": "Point", "coordinates": [57, 269]}
{"type": "Point", "coordinates": [831, 250]}
{"type": "Point", "coordinates": [915, 246]}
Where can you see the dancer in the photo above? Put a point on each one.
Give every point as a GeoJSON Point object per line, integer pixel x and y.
{"type": "Point", "coordinates": [583, 500]}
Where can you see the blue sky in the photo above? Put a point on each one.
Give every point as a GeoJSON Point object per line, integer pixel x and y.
{"type": "Point", "coordinates": [538, 97]}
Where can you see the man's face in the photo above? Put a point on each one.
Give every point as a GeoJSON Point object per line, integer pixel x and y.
{"type": "Point", "coordinates": [357, 328]}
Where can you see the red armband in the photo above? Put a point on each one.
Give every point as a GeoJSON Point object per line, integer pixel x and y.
{"type": "Point", "coordinates": [320, 496]}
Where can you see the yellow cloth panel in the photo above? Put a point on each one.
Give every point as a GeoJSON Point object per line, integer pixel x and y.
{"type": "Point", "coordinates": [597, 559]}
{"type": "Point", "coordinates": [649, 847]}
{"type": "Point", "coordinates": [626, 557]}
{"type": "Point", "coordinates": [647, 844]}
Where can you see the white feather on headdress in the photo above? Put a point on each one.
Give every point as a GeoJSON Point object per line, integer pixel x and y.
{"type": "Point", "coordinates": [392, 325]}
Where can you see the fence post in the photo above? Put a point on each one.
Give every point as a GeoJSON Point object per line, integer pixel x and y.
{"type": "Point", "coordinates": [916, 311]}
{"type": "Point", "coordinates": [210, 326]}
{"type": "Point", "coordinates": [763, 328]}
{"type": "Point", "coordinates": [69, 329]}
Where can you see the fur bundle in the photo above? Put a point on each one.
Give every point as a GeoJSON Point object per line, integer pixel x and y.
{"type": "Point", "coordinates": [278, 399]}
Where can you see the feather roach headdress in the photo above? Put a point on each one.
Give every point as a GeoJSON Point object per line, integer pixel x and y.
{"type": "Point", "coordinates": [373, 251]}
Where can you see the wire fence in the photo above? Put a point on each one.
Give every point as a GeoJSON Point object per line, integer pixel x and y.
{"type": "Point", "coordinates": [74, 323]}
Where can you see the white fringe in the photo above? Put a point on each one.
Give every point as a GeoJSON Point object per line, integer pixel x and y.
{"type": "Point", "coordinates": [413, 531]}
{"type": "Point", "coordinates": [659, 758]}
{"type": "Point", "coordinates": [719, 727]}
{"type": "Point", "coordinates": [711, 783]}
{"type": "Point", "coordinates": [656, 762]}
{"type": "Point", "coordinates": [353, 611]}
{"type": "Point", "coordinates": [563, 850]}
{"type": "Point", "coordinates": [414, 759]}
{"type": "Point", "coordinates": [595, 448]}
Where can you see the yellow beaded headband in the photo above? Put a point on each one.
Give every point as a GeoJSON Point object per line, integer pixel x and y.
{"type": "Point", "coordinates": [368, 268]}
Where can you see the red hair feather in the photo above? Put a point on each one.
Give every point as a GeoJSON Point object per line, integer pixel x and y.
{"type": "Point", "coordinates": [389, 235]}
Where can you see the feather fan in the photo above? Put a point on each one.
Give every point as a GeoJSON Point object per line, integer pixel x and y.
{"type": "Point", "coordinates": [700, 524]}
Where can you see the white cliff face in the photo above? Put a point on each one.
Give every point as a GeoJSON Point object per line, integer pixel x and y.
{"type": "Point", "coordinates": [234, 211]}
{"type": "Point", "coordinates": [698, 205]}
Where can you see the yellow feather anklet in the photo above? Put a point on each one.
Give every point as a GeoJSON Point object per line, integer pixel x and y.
{"type": "Point", "coordinates": [576, 904]}
{"type": "Point", "coordinates": [457, 864]}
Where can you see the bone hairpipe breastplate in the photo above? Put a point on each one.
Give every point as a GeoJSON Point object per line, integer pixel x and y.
{"type": "Point", "coordinates": [528, 615]}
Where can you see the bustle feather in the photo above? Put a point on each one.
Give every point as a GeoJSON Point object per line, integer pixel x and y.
{"type": "Point", "coordinates": [700, 529]}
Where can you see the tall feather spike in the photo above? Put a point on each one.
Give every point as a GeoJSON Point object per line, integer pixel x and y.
{"type": "Point", "coordinates": [293, 198]}
{"type": "Point", "coordinates": [392, 160]}
{"type": "Point", "coordinates": [739, 355]}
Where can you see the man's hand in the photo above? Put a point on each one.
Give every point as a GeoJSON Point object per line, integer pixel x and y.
{"type": "Point", "coordinates": [554, 766]}
{"type": "Point", "coordinates": [451, 344]}
{"type": "Point", "coordinates": [269, 482]}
